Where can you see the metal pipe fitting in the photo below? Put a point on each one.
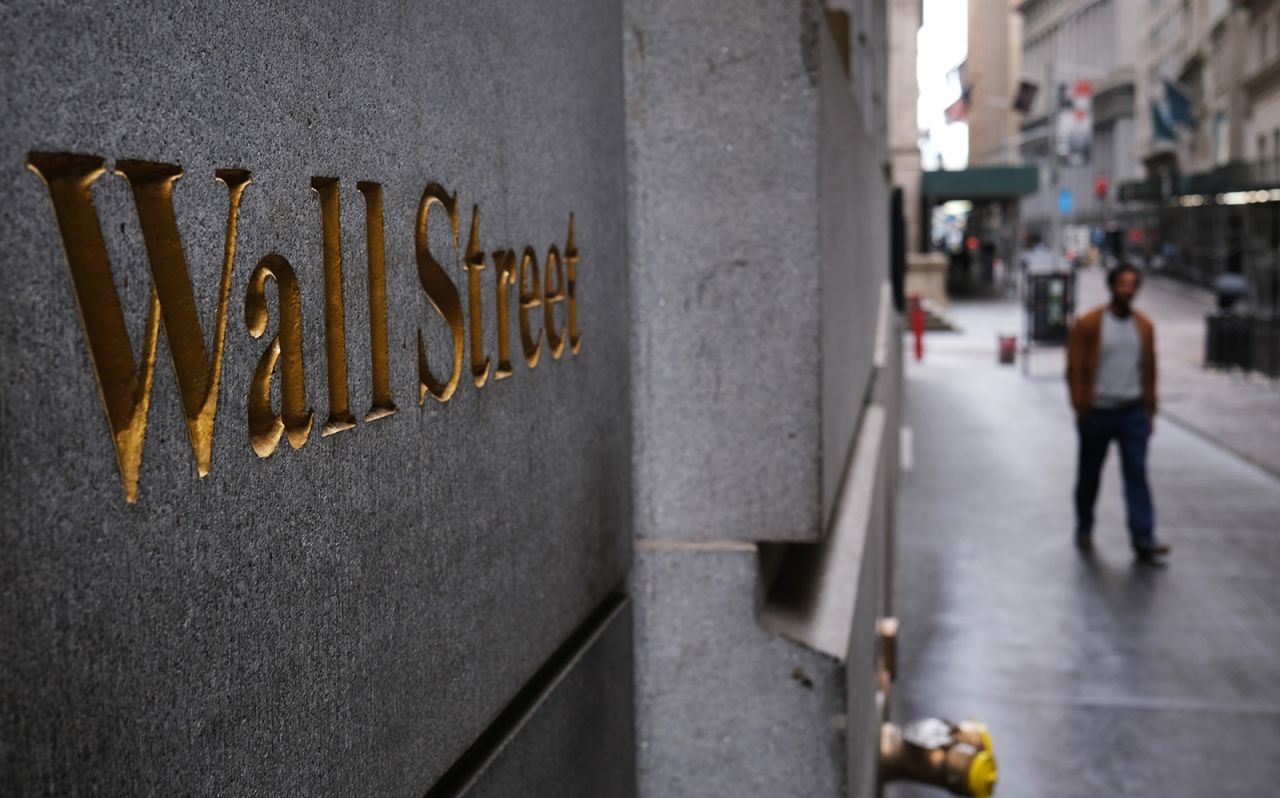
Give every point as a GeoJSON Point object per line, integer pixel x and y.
{"type": "Point", "coordinates": [955, 756]}
{"type": "Point", "coordinates": [887, 636]}
{"type": "Point", "coordinates": [886, 664]}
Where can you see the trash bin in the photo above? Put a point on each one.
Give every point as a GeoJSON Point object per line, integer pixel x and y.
{"type": "Point", "coordinates": [1266, 344]}
{"type": "Point", "coordinates": [1008, 347]}
{"type": "Point", "coordinates": [1229, 341]}
{"type": "Point", "coordinates": [1213, 341]}
{"type": "Point", "coordinates": [1050, 304]}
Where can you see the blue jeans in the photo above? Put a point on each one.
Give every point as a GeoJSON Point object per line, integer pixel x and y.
{"type": "Point", "coordinates": [1130, 428]}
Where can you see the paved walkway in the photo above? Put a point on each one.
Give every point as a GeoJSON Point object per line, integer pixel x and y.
{"type": "Point", "coordinates": [1098, 677]}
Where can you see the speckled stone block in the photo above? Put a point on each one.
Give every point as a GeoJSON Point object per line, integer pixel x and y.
{"type": "Point", "coordinates": [348, 617]}
{"type": "Point", "coordinates": [726, 708]}
{"type": "Point", "coordinates": [759, 237]}
{"type": "Point", "coordinates": [758, 657]}
{"type": "Point", "coordinates": [578, 738]}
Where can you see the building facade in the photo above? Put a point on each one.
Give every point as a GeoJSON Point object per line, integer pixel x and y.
{"type": "Point", "coordinates": [1205, 203]}
{"type": "Point", "coordinates": [1079, 48]}
{"type": "Point", "coordinates": [904, 20]}
{"type": "Point", "coordinates": [992, 71]}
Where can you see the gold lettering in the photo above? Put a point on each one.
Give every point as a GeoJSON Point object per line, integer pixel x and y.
{"type": "Point", "coordinates": [551, 298]}
{"type": "Point", "coordinates": [123, 384]}
{"type": "Point", "coordinates": [530, 298]}
{"type": "Point", "coordinates": [294, 419]}
{"type": "Point", "coordinates": [474, 263]}
{"type": "Point", "coordinates": [441, 292]}
{"type": "Point", "coordinates": [571, 261]}
{"type": "Point", "coordinates": [504, 264]}
{"type": "Point", "coordinates": [335, 331]}
{"type": "Point", "coordinates": [382, 405]}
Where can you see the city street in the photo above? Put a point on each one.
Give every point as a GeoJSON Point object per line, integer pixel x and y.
{"type": "Point", "coordinates": [1097, 676]}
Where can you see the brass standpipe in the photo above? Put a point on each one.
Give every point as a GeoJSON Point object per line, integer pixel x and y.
{"type": "Point", "coordinates": [887, 654]}
{"type": "Point", "coordinates": [955, 756]}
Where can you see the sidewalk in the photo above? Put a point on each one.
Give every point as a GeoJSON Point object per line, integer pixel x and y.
{"type": "Point", "coordinates": [1097, 676]}
{"type": "Point", "coordinates": [1238, 411]}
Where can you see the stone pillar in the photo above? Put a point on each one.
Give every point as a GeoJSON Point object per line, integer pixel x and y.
{"type": "Point", "coordinates": [759, 249]}
{"type": "Point", "coordinates": [904, 91]}
{"type": "Point", "coordinates": [993, 69]}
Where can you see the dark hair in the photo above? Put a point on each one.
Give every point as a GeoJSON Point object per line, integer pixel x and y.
{"type": "Point", "coordinates": [1116, 271]}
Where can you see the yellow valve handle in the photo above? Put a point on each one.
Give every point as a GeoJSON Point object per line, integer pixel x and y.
{"type": "Point", "coordinates": [982, 773]}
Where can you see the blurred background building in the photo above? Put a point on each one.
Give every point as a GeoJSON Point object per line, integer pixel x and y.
{"type": "Point", "coordinates": [1208, 202]}
{"type": "Point", "coordinates": [1082, 53]}
{"type": "Point", "coordinates": [905, 17]}
{"type": "Point", "coordinates": [993, 69]}
{"type": "Point", "coordinates": [1153, 129]}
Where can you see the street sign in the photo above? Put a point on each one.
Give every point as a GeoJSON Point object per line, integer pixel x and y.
{"type": "Point", "coordinates": [1064, 201]}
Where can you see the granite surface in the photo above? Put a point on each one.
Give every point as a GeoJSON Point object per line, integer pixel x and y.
{"type": "Point", "coordinates": [759, 210]}
{"type": "Point", "coordinates": [347, 617]}
{"type": "Point", "coordinates": [853, 233]}
{"type": "Point", "coordinates": [818, 587]}
{"type": "Point", "coordinates": [578, 738]}
{"type": "Point", "coordinates": [759, 239]}
{"type": "Point", "coordinates": [724, 707]}
{"type": "Point", "coordinates": [723, 160]}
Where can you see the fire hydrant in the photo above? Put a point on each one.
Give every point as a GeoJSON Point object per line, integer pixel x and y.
{"type": "Point", "coordinates": [955, 756]}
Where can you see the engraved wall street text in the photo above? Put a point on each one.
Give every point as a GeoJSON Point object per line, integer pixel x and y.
{"type": "Point", "coordinates": [125, 382]}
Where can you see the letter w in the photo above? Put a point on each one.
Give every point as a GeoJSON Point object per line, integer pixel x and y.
{"type": "Point", "coordinates": [126, 388]}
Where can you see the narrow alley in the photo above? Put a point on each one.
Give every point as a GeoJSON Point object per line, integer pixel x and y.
{"type": "Point", "coordinates": [1097, 675]}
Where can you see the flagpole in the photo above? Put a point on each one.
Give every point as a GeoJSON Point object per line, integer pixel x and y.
{"type": "Point", "coordinates": [1051, 111]}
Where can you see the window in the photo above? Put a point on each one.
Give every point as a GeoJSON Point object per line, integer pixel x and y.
{"type": "Point", "coordinates": [1262, 148]}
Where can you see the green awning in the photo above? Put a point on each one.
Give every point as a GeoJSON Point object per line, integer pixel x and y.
{"type": "Point", "coordinates": [982, 183]}
{"type": "Point", "coordinates": [1228, 178]}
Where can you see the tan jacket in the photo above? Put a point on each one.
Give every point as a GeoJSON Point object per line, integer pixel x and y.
{"type": "Point", "coordinates": [1084, 345]}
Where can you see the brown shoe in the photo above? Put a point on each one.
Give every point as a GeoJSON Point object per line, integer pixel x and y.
{"type": "Point", "coordinates": [1150, 553]}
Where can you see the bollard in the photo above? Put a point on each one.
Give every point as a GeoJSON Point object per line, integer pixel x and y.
{"type": "Point", "coordinates": [1008, 347]}
{"type": "Point", "coordinates": [1212, 341]}
{"type": "Point", "coordinates": [917, 324]}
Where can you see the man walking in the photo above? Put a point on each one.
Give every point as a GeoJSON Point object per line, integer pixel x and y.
{"type": "Point", "coordinates": [1111, 371]}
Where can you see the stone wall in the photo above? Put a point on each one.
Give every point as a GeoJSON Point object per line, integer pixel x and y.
{"type": "Point", "coordinates": [358, 615]}
{"type": "Point", "coordinates": [352, 353]}
{"type": "Point", "coordinates": [764, 461]}
{"type": "Point", "coordinates": [754, 181]}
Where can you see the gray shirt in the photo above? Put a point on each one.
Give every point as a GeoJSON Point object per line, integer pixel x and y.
{"type": "Point", "coordinates": [1119, 363]}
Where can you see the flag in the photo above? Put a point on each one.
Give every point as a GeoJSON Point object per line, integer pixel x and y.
{"type": "Point", "coordinates": [958, 111]}
{"type": "Point", "coordinates": [1161, 127]}
{"type": "Point", "coordinates": [1178, 104]}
